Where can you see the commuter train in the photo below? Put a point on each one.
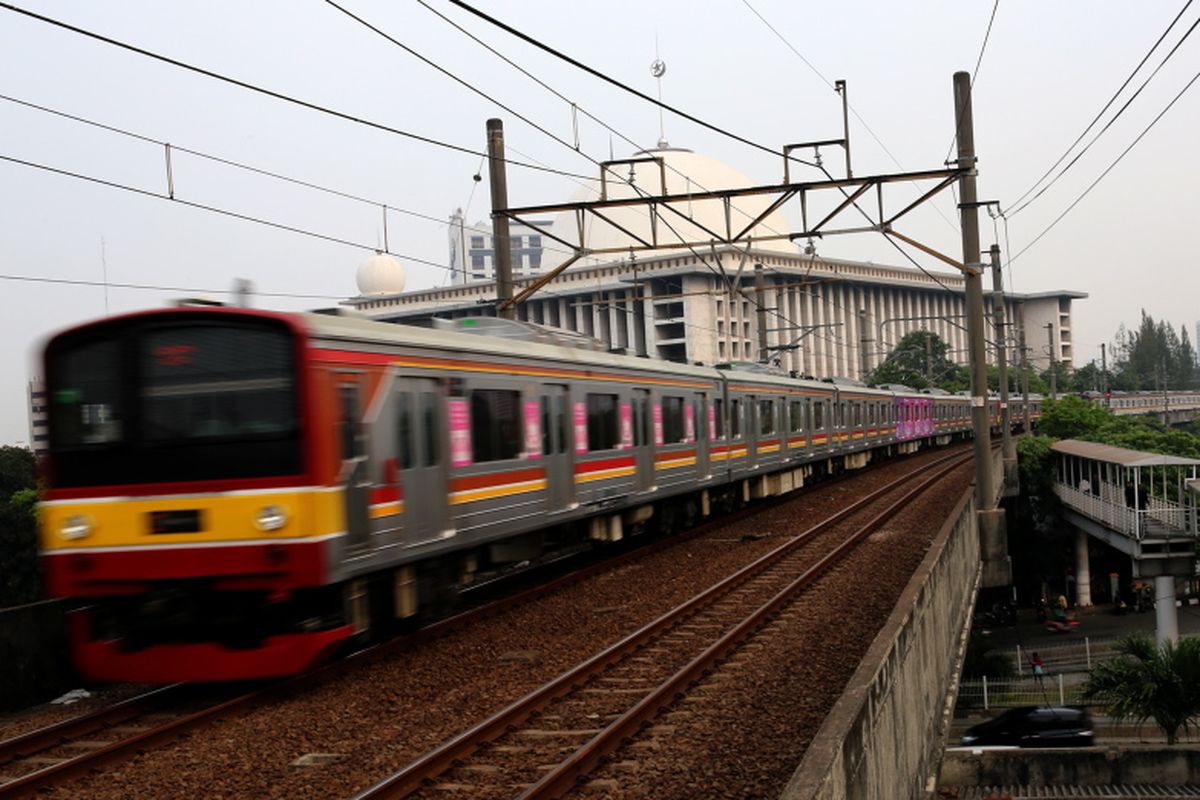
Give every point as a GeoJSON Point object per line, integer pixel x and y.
{"type": "Point", "coordinates": [237, 494]}
{"type": "Point", "coordinates": [1123, 403]}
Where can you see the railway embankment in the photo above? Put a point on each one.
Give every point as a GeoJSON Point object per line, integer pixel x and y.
{"type": "Point", "coordinates": [884, 737]}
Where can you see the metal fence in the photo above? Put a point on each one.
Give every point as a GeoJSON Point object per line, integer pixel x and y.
{"type": "Point", "coordinates": [986, 693]}
{"type": "Point", "coordinates": [1077, 655]}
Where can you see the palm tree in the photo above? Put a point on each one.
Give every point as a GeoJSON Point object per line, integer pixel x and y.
{"type": "Point", "coordinates": [1148, 682]}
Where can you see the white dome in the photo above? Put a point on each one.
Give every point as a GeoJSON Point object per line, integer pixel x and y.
{"type": "Point", "coordinates": [380, 274]}
{"type": "Point", "coordinates": [685, 172]}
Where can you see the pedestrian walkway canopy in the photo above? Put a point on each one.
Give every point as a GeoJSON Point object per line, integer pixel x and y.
{"type": "Point", "coordinates": [1147, 499]}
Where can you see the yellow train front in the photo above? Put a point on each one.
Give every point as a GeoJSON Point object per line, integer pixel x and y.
{"type": "Point", "coordinates": [187, 513]}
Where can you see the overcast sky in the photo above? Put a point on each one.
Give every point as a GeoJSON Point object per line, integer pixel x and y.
{"type": "Point", "coordinates": [1047, 70]}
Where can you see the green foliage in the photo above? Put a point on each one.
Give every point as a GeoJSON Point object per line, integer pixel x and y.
{"type": "Point", "coordinates": [1149, 682]}
{"type": "Point", "coordinates": [19, 575]}
{"type": "Point", "coordinates": [1072, 417]}
{"type": "Point", "coordinates": [920, 360]}
{"type": "Point", "coordinates": [1035, 464]}
{"type": "Point", "coordinates": [1154, 356]}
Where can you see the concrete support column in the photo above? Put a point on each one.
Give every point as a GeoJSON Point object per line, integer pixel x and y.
{"type": "Point", "coordinates": [1083, 572]}
{"type": "Point", "coordinates": [1166, 619]}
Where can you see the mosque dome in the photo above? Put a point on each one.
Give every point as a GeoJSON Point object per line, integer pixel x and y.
{"type": "Point", "coordinates": [379, 275]}
{"type": "Point", "coordinates": [684, 172]}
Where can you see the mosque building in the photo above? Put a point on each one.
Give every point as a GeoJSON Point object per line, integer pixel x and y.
{"type": "Point", "coordinates": [821, 316]}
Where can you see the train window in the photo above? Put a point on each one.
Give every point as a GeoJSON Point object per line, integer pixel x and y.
{"type": "Point", "coordinates": [603, 430]}
{"type": "Point", "coordinates": [858, 415]}
{"type": "Point", "coordinates": [818, 415]}
{"type": "Point", "coordinates": [718, 419]}
{"type": "Point", "coordinates": [766, 417]}
{"type": "Point", "coordinates": [85, 408]}
{"type": "Point", "coordinates": [546, 443]}
{"type": "Point", "coordinates": [870, 413]}
{"type": "Point", "coordinates": [433, 455]}
{"type": "Point", "coordinates": [796, 415]}
{"type": "Point", "coordinates": [735, 419]}
{"type": "Point", "coordinates": [672, 420]}
{"type": "Point", "coordinates": [404, 430]}
{"type": "Point", "coordinates": [495, 425]}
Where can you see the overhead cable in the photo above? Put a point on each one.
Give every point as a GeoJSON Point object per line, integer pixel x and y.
{"type": "Point", "coordinates": [1100, 113]}
{"type": "Point", "coordinates": [274, 94]}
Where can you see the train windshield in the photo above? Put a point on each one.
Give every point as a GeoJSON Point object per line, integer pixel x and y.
{"type": "Point", "coordinates": [159, 401]}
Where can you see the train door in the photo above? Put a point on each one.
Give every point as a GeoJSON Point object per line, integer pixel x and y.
{"type": "Point", "coordinates": [421, 421]}
{"type": "Point", "coordinates": [556, 448]}
{"type": "Point", "coordinates": [354, 478]}
{"type": "Point", "coordinates": [699, 431]}
{"type": "Point", "coordinates": [643, 440]}
{"type": "Point", "coordinates": [751, 428]}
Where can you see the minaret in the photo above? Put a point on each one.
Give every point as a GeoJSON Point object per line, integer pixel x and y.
{"type": "Point", "coordinates": [658, 68]}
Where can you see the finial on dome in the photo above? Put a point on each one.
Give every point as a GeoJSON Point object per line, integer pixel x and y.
{"type": "Point", "coordinates": [379, 274]}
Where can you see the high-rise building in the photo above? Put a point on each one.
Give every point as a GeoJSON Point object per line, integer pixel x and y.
{"type": "Point", "coordinates": [39, 440]}
{"type": "Point", "coordinates": [473, 253]}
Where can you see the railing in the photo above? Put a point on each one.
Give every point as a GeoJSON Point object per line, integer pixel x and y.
{"type": "Point", "coordinates": [1160, 518]}
{"type": "Point", "coordinates": [987, 693]}
{"type": "Point", "coordinates": [1076, 656]}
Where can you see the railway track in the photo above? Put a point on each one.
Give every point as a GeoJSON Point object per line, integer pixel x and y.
{"type": "Point", "coordinates": [542, 744]}
{"type": "Point", "coordinates": [57, 753]}
{"type": "Point", "coordinates": [54, 753]}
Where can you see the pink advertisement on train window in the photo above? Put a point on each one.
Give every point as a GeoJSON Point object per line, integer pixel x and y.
{"type": "Point", "coordinates": [689, 422]}
{"type": "Point", "coordinates": [460, 432]}
{"type": "Point", "coordinates": [712, 420]}
{"type": "Point", "coordinates": [658, 428]}
{"type": "Point", "coordinates": [581, 444]}
{"type": "Point", "coordinates": [533, 429]}
{"type": "Point", "coordinates": [626, 426]}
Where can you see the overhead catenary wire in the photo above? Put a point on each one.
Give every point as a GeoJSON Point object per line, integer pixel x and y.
{"type": "Point", "coordinates": [160, 287]}
{"type": "Point", "coordinates": [175, 148]}
{"type": "Point", "coordinates": [215, 210]}
{"type": "Point", "coordinates": [620, 85]}
{"type": "Point", "coordinates": [1100, 113]}
{"type": "Point", "coordinates": [274, 94]}
{"type": "Point", "coordinates": [1109, 169]}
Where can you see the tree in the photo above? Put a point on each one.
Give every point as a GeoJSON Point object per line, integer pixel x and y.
{"type": "Point", "coordinates": [919, 360]}
{"type": "Point", "coordinates": [19, 576]}
{"type": "Point", "coordinates": [1072, 417]}
{"type": "Point", "coordinates": [1148, 682]}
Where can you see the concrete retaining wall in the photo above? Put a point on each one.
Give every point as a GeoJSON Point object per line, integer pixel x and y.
{"type": "Point", "coordinates": [34, 663]}
{"type": "Point", "coordinates": [1178, 765]}
{"type": "Point", "coordinates": [884, 737]}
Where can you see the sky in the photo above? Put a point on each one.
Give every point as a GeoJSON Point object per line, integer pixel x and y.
{"type": "Point", "coordinates": [1046, 72]}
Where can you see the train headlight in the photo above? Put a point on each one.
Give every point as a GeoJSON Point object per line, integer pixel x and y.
{"type": "Point", "coordinates": [271, 518]}
{"type": "Point", "coordinates": [76, 526]}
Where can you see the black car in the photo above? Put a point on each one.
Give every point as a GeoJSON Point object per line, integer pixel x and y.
{"type": "Point", "coordinates": [1033, 726]}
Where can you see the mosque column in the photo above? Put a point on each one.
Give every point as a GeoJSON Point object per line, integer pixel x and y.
{"type": "Point", "coordinates": [1083, 572]}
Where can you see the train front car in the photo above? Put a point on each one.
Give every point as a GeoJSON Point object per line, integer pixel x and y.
{"type": "Point", "coordinates": [184, 512]}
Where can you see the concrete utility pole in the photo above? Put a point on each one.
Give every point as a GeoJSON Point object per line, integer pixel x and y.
{"type": "Point", "coordinates": [1025, 428]}
{"type": "Point", "coordinates": [1049, 326]}
{"type": "Point", "coordinates": [1104, 373]}
{"type": "Point", "coordinates": [973, 277]}
{"type": "Point", "coordinates": [502, 251]}
{"type": "Point", "coordinates": [1008, 447]}
{"type": "Point", "coordinates": [993, 540]}
{"type": "Point", "coordinates": [864, 344]}
{"type": "Point", "coordinates": [760, 312]}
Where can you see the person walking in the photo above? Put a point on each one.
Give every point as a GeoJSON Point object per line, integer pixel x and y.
{"type": "Point", "coordinates": [1039, 670]}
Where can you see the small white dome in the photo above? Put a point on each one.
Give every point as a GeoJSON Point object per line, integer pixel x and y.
{"type": "Point", "coordinates": [380, 274]}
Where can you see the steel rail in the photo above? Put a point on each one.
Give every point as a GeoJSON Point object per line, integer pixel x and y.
{"type": "Point", "coordinates": [410, 778]}
{"type": "Point", "coordinates": [562, 778]}
{"type": "Point", "coordinates": [57, 733]}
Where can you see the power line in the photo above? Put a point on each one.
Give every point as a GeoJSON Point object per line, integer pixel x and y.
{"type": "Point", "coordinates": [1099, 114]}
{"type": "Point", "coordinates": [829, 83]}
{"type": "Point", "coordinates": [214, 209]}
{"type": "Point", "coordinates": [624, 87]}
{"type": "Point", "coordinates": [253, 169]}
{"type": "Point", "coordinates": [274, 94]}
{"type": "Point", "coordinates": [1124, 152]}
{"type": "Point", "coordinates": [160, 288]}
